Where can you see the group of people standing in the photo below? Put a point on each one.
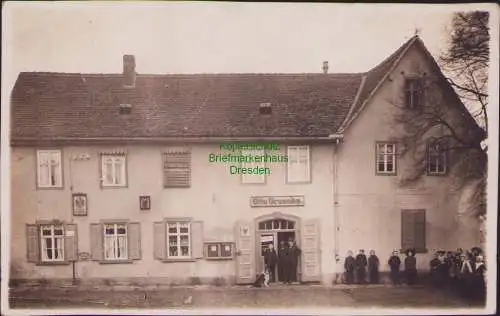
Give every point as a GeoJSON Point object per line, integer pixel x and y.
{"type": "Point", "coordinates": [460, 270]}
{"type": "Point", "coordinates": [285, 261]}
{"type": "Point", "coordinates": [356, 267]}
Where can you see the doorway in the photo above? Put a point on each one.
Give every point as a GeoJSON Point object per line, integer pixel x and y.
{"type": "Point", "coordinates": [275, 231]}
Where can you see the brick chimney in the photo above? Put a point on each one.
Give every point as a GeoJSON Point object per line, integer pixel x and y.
{"type": "Point", "coordinates": [129, 70]}
{"type": "Point", "coordinates": [325, 67]}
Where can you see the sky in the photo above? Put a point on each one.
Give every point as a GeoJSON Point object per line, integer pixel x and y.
{"type": "Point", "coordinates": [195, 37]}
{"type": "Point", "coordinates": [212, 37]}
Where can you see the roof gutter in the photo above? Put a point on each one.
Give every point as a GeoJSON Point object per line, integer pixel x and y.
{"type": "Point", "coordinates": [24, 141]}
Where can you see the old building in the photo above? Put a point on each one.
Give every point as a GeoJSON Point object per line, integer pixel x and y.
{"type": "Point", "coordinates": [112, 176]}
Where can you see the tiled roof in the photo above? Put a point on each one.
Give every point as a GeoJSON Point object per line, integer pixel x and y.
{"type": "Point", "coordinates": [69, 105]}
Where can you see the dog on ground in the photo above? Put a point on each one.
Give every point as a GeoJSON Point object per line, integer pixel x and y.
{"type": "Point", "coordinates": [262, 280]}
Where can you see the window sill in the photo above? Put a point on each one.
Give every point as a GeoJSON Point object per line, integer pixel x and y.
{"type": "Point", "coordinates": [50, 188]}
{"type": "Point", "coordinates": [432, 174]}
{"type": "Point", "coordinates": [386, 174]}
{"type": "Point", "coordinates": [218, 258]}
{"type": "Point", "coordinates": [417, 250]}
{"type": "Point", "coordinates": [179, 260]}
{"type": "Point", "coordinates": [114, 186]}
{"type": "Point", "coordinates": [127, 261]}
{"type": "Point", "coordinates": [53, 263]}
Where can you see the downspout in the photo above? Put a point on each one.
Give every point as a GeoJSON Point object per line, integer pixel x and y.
{"type": "Point", "coordinates": [335, 211]}
{"type": "Point", "coordinates": [70, 176]}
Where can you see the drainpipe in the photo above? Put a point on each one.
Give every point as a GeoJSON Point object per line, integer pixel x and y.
{"type": "Point", "coordinates": [71, 213]}
{"type": "Point", "coordinates": [335, 208]}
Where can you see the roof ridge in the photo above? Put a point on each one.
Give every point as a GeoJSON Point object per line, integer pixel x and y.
{"type": "Point", "coordinates": [221, 74]}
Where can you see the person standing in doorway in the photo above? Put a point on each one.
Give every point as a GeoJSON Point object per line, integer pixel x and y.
{"type": "Point", "coordinates": [294, 255]}
{"type": "Point", "coordinates": [411, 267]}
{"type": "Point", "coordinates": [361, 264]}
{"type": "Point", "coordinates": [373, 267]}
{"type": "Point", "coordinates": [270, 260]}
{"type": "Point", "coordinates": [282, 256]}
{"type": "Point", "coordinates": [349, 267]}
{"type": "Point", "coordinates": [394, 264]}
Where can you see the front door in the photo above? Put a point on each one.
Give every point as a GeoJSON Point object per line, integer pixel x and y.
{"type": "Point", "coordinates": [274, 231]}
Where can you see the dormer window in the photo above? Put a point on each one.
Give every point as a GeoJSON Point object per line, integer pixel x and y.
{"type": "Point", "coordinates": [413, 93]}
{"type": "Point", "coordinates": [265, 108]}
{"type": "Point", "coordinates": [125, 108]}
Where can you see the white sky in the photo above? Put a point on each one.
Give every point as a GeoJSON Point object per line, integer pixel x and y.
{"type": "Point", "coordinates": [213, 37]}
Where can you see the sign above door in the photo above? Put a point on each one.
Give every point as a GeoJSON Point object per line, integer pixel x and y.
{"type": "Point", "coordinates": [274, 201]}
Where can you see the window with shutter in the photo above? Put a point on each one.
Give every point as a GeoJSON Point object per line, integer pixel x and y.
{"type": "Point", "coordinates": [177, 169]}
{"type": "Point", "coordinates": [413, 230]}
{"type": "Point", "coordinates": [52, 242]}
{"type": "Point", "coordinates": [115, 242]}
{"type": "Point", "coordinates": [49, 169]}
{"type": "Point", "coordinates": [299, 164]}
{"type": "Point", "coordinates": [178, 239]}
{"type": "Point", "coordinates": [253, 178]}
{"type": "Point", "coordinates": [113, 170]}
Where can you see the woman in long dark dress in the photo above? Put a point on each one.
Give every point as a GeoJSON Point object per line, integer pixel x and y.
{"type": "Point", "coordinates": [373, 267]}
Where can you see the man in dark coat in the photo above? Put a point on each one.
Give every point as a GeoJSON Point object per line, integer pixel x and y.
{"type": "Point", "coordinates": [410, 267]}
{"type": "Point", "coordinates": [394, 264]}
{"type": "Point", "coordinates": [373, 267]}
{"type": "Point", "coordinates": [282, 269]}
{"type": "Point", "coordinates": [270, 260]}
{"type": "Point", "coordinates": [349, 267]}
{"type": "Point", "coordinates": [434, 269]}
{"type": "Point", "coordinates": [361, 264]}
{"type": "Point", "coordinates": [293, 255]}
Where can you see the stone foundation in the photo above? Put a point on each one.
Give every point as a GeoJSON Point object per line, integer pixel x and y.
{"type": "Point", "coordinates": [136, 282]}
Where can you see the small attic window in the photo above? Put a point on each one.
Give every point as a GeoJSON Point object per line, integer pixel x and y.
{"type": "Point", "coordinates": [265, 108]}
{"type": "Point", "coordinates": [125, 108]}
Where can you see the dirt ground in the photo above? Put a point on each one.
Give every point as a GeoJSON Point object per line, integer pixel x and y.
{"type": "Point", "coordinates": [238, 297]}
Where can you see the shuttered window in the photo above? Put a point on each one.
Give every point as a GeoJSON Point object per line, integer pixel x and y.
{"type": "Point", "coordinates": [178, 239]}
{"type": "Point", "coordinates": [253, 178]}
{"type": "Point", "coordinates": [49, 169]}
{"type": "Point", "coordinates": [413, 230]}
{"type": "Point", "coordinates": [177, 169]}
{"type": "Point", "coordinates": [115, 242]}
{"type": "Point", "coordinates": [51, 242]}
{"type": "Point", "coordinates": [299, 164]}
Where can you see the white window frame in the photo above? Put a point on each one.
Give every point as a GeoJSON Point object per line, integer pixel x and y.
{"type": "Point", "coordinates": [123, 172]}
{"type": "Point", "coordinates": [436, 155]}
{"type": "Point", "coordinates": [111, 240]}
{"type": "Point", "coordinates": [52, 153]}
{"type": "Point", "coordinates": [382, 149]}
{"type": "Point", "coordinates": [178, 235]}
{"type": "Point", "coordinates": [298, 150]}
{"type": "Point", "coordinates": [253, 178]}
{"type": "Point", "coordinates": [53, 237]}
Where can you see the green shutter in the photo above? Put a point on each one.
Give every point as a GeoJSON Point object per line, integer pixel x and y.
{"type": "Point", "coordinates": [134, 240]}
{"type": "Point", "coordinates": [197, 239]}
{"type": "Point", "coordinates": [177, 169]}
{"type": "Point", "coordinates": [70, 242]}
{"type": "Point", "coordinates": [159, 240]}
{"type": "Point", "coordinates": [419, 219]}
{"type": "Point", "coordinates": [33, 243]}
{"type": "Point", "coordinates": [413, 230]}
{"type": "Point", "coordinates": [96, 241]}
{"type": "Point", "coordinates": [407, 230]}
